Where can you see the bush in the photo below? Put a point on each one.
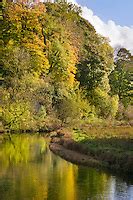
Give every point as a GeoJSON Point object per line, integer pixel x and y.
{"type": "Point", "coordinates": [17, 116]}
{"type": "Point", "coordinates": [106, 105]}
{"type": "Point", "coordinates": [72, 106]}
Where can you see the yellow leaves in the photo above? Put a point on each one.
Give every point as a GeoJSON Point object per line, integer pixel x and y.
{"type": "Point", "coordinates": [33, 47]}
{"type": "Point", "coordinates": [25, 20]}
{"type": "Point", "coordinates": [40, 61]}
{"type": "Point", "coordinates": [26, 31]}
{"type": "Point", "coordinates": [108, 105]}
{"type": "Point", "coordinates": [63, 58]}
{"type": "Point", "coordinates": [27, 25]}
{"type": "Point", "coordinates": [71, 68]}
{"type": "Point", "coordinates": [114, 105]}
{"type": "Point", "coordinates": [16, 11]}
{"type": "Point", "coordinates": [16, 112]}
{"type": "Point", "coordinates": [71, 75]}
{"type": "Point", "coordinates": [5, 95]}
{"type": "Point", "coordinates": [71, 79]}
{"type": "Point", "coordinates": [10, 43]}
{"type": "Point", "coordinates": [39, 9]}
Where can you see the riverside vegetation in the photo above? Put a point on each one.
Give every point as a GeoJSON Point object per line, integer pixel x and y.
{"type": "Point", "coordinates": [57, 71]}
{"type": "Point", "coordinates": [97, 147]}
{"type": "Point", "coordinates": [111, 149]}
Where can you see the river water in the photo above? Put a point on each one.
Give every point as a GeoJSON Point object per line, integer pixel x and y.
{"type": "Point", "coordinates": [29, 171]}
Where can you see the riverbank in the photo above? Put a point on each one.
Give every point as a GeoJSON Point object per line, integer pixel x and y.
{"type": "Point", "coordinates": [104, 148]}
{"type": "Point", "coordinates": [54, 127]}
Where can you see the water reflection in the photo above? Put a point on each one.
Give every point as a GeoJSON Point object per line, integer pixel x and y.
{"type": "Point", "coordinates": [29, 171]}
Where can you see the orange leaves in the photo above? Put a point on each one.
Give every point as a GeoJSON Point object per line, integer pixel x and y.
{"type": "Point", "coordinates": [25, 20]}
{"type": "Point", "coordinates": [28, 28]}
{"type": "Point", "coordinates": [25, 30]}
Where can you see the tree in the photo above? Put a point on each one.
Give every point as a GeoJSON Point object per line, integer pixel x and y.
{"type": "Point", "coordinates": [95, 65]}
{"type": "Point", "coordinates": [19, 30]}
{"type": "Point", "coordinates": [51, 56]}
{"type": "Point", "coordinates": [120, 78]}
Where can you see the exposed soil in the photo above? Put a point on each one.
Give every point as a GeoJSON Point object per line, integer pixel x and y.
{"type": "Point", "coordinates": [73, 156]}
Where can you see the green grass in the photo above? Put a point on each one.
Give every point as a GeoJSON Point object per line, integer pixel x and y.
{"type": "Point", "coordinates": [114, 147]}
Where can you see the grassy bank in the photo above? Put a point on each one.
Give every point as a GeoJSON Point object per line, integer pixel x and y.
{"type": "Point", "coordinates": [108, 148]}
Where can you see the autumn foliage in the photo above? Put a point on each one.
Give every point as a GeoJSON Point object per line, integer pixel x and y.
{"type": "Point", "coordinates": [55, 68]}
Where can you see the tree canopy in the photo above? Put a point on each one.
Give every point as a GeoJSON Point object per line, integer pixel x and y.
{"type": "Point", "coordinates": [56, 69]}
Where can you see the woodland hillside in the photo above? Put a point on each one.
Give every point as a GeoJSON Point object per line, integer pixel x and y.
{"type": "Point", "coordinates": [56, 70]}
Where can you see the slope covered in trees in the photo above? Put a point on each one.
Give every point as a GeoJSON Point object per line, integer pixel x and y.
{"type": "Point", "coordinates": [55, 69]}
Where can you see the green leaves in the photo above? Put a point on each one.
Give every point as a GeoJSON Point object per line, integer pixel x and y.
{"type": "Point", "coordinates": [120, 78]}
{"type": "Point", "coordinates": [17, 115]}
{"type": "Point", "coordinates": [51, 56]}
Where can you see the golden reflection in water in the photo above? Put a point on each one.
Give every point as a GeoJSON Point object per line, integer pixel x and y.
{"type": "Point", "coordinates": [29, 171]}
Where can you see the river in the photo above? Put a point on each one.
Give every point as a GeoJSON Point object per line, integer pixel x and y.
{"type": "Point", "coordinates": [29, 171]}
